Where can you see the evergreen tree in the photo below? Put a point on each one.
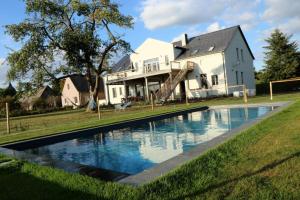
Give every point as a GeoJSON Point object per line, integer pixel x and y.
{"type": "Point", "coordinates": [281, 57]}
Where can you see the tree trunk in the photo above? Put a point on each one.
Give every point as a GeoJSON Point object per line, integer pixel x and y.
{"type": "Point", "coordinates": [92, 105]}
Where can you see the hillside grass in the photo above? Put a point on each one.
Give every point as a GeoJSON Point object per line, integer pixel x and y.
{"type": "Point", "coordinates": [262, 162]}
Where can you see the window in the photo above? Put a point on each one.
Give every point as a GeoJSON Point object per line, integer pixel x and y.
{"type": "Point", "coordinates": [214, 80]}
{"type": "Point", "coordinates": [203, 81]}
{"type": "Point", "coordinates": [120, 91]}
{"type": "Point", "coordinates": [66, 102]}
{"type": "Point", "coordinates": [237, 54]}
{"type": "Point", "coordinates": [242, 55]}
{"type": "Point", "coordinates": [211, 48]}
{"type": "Point", "coordinates": [237, 77]}
{"type": "Point", "coordinates": [114, 92]}
{"type": "Point", "coordinates": [151, 65]}
{"type": "Point", "coordinates": [167, 60]}
{"type": "Point", "coordinates": [242, 77]}
{"type": "Point", "coordinates": [68, 86]}
{"type": "Point", "coordinates": [75, 100]}
{"type": "Point", "coordinates": [136, 66]}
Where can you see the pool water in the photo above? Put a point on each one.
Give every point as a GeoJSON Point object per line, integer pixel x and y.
{"type": "Point", "coordinates": [134, 149]}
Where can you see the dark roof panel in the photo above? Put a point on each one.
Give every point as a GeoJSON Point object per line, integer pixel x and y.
{"type": "Point", "coordinates": [80, 82]}
{"type": "Point", "coordinates": [208, 43]}
{"type": "Point", "coordinates": [122, 65]}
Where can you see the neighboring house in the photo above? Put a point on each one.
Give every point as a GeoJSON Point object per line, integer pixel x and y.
{"type": "Point", "coordinates": [75, 91]}
{"type": "Point", "coordinates": [202, 66]}
{"type": "Point", "coordinates": [44, 98]}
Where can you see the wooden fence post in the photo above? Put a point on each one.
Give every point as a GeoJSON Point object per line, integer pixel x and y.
{"type": "Point", "coordinates": [7, 118]}
{"type": "Point", "coordinates": [152, 102]}
{"type": "Point", "coordinates": [98, 105]}
{"type": "Point", "coordinates": [245, 94]}
{"type": "Point", "coordinates": [271, 91]}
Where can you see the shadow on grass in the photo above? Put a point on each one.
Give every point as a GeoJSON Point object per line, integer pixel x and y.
{"type": "Point", "coordinates": [247, 175]}
{"type": "Point", "coordinates": [16, 184]}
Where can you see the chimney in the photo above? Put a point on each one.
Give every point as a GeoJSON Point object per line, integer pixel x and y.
{"type": "Point", "coordinates": [184, 40]}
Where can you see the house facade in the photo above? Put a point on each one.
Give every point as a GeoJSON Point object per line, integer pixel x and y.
{"type": "Point", "coordinates": [75, 91]}
{"type": "Point", "coordinates": [212, 64]}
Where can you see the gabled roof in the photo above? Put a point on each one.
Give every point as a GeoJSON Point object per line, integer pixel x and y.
{"type": "Point", "coordinates": [44, 92]}
{"type": "Point", "coordinates": [80, 82]}
{"type": "Point", "coordinates": [122, 65]}
{"type": "Point", "coordinates": [209, 43]}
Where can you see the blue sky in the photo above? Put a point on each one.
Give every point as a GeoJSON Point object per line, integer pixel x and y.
{"type": "Point", "coordinates": [168, 19]}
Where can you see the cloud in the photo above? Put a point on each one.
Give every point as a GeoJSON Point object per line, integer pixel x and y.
{"type": "Point", "coordinates": [279, 9]}
{"type": "Point", "coordinates": [158, 14]}
{"type": "Point", "coordinates": [214, 27]}
{"type": "Point", "coordinates": [195, 31]}
{"type": "Point", "coordinates": [3, 70]}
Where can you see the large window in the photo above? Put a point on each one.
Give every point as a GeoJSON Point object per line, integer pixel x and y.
{"type": "Point", "coordinates": [237, 77]}
{"type": "Point", "coordinates": [242, 77]}
{"type": "Point", "coordinates": [167, 60]}
{"type": "Point", "coordinates": [114, 91]}
{"type": "Point", "coordinates": [214, 80]}
{"type": "Point", "coordinates": [203, 81]}
{"type": "Point", "coordinates": [121, 91]}
{"type": "Point", "coordinates": [151, 65]}
{"type": "Point", "coordinates": [237, 54]}
{"type": "Point", "coordinates": [242, 55]}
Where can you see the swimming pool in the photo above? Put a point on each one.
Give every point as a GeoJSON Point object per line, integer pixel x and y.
{"type": "Point", "coordinates": [132, 150]}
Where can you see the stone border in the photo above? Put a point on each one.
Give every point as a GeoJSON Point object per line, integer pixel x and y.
{"type": "Point", "coordinates": [168, 165]}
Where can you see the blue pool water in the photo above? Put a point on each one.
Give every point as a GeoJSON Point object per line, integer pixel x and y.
{"type": "Point", "coordinates": [134, 149]}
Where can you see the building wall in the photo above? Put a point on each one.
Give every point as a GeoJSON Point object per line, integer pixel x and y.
{"type": "Point", "coordinates": [211, 64]}
{"type": "Point", "coordinates": [69, 94]}
{"type": "Point", "coordinates": [119, 96]}
{"type": "Point", "coordinates": [233, 64]}
{"type": "Point", "coordinates": [150, 49]}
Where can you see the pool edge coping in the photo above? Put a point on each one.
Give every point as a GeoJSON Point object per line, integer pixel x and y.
{"type": "Point", "coordinates": [167, 166]}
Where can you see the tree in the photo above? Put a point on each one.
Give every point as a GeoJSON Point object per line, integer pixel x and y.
{"type": "Point", "coordinates": [79, 32]}
{"type": "Point", "coordinates": [281, 57]}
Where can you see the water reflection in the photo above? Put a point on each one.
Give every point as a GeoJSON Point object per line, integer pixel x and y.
{"type": "Point", "coordinates": [134, 149]}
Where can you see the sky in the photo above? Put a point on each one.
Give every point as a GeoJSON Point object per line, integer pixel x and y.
{"type": "Point", "coordinates": [167, 20]}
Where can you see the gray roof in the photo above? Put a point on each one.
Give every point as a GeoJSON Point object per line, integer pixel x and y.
{"type": "Point", "coordinates": [209, 43]}
{"type": "Point", "coordinates": [80, 82]}
{"type": "Point", "coordinates": [122, 65]}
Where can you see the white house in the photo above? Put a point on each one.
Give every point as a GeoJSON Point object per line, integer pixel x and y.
{"type": "Point", "coordinates": [212, 64]}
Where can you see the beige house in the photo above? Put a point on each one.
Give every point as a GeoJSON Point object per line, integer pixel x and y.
{"type": "Point", "coordinates": [212, 64]}
{"type": "Point", "coordinates": [43, 98]}
{"type": "Point", "coordinates": [75, 91]}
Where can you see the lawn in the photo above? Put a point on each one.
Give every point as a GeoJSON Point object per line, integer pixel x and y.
{"type": "Point", "coordinates": [53, 123]}
{"type": "Point", "coordinates": [262, 162]}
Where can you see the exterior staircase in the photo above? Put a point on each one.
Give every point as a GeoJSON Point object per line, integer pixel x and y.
{"type": "Point", "coordinates": [170, 84]}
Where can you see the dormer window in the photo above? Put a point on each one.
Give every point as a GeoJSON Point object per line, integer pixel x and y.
{"type": "Point", "coordinates": [195, 51]}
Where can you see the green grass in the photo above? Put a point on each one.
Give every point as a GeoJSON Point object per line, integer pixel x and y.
{"type": "Point", "coordinates": [46, 124]}
{"type": "Point", "coordinates": [262, 162]}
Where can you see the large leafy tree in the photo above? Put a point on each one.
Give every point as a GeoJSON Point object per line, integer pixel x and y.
{"type": "Point", "coordinates": [80, 33]}
{"type": "Point", "coordinates": [281, 57]}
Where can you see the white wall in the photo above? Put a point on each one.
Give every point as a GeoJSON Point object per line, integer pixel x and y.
{"type": "Point", "coordinates": [118, 98]}
{"type": "Point", "coordinates": [211, 64]}
{"type": "Point", "coordinates": [233, 65]}
{"type": "Point", "coordinates": [70, 94]}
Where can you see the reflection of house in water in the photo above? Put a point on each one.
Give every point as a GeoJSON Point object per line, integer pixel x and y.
{"type": "Point", "coordinates": [135, 149]}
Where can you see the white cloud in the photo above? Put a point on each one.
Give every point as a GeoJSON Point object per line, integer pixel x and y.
{"type": "Point", "coordinates": [157, 14]}
{"type": "Point", "coordinates": [3, 70]}
{"type": "Point", "coordinates": [279, 9]}
{"type": "Point", "coordinates": [214, 27]}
